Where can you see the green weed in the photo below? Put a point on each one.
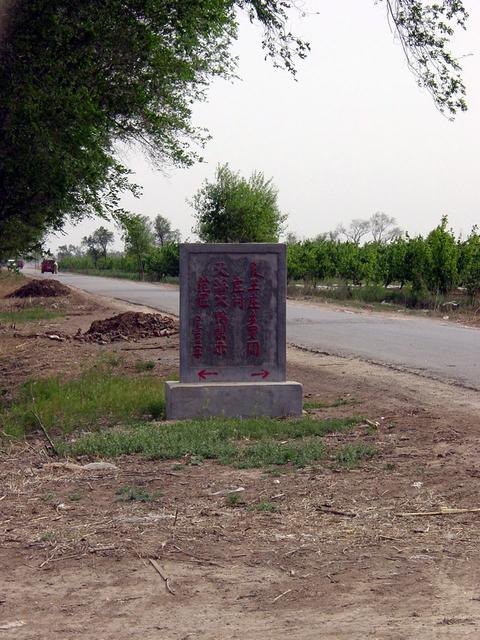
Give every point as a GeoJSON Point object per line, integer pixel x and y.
{"type": "Point", "coordinates": [28, 314]}
{"type": "Point", "coordinates": [136, 494]}
{"type": "Point", "coordinates": [96, 399]}
{"type": "Point", "coordinates": [156, 408]}
{"type": "Point", "coordinates": [351, 455]}
{"type": "Point", "coordinates": [110, 360]}
{"type": "Point", "coordinates": [233, 499]}
{"type": "Point", "coordinates": [145, 365]}
{"type": "Point", "coordinates": [249, 443]}
{"type": "Point", "coordinates": [48, 536]}
{"type": "Point", "coordinates": [74, 497]}
{"type": "Point", "coordinates": [264, 506]}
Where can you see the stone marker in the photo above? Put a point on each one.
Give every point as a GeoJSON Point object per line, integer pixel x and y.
{"type": "Point", "coordinates": [233, 333]}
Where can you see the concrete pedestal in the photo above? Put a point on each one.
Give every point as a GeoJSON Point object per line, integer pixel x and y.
{"type": "Point", "coordinates": [233, 399]}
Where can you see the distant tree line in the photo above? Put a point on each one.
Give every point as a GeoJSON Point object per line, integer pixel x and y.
{"type": "Point", "coordinates": [150, 250]}
{"type": "Point", "coordinates": [434, 265]}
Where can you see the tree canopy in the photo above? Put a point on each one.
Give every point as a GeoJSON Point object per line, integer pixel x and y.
{"type": "Point", "coordinates": [138, 236]}
{"type": "Point", "coordinates": [234, 209]}
{"type": "Point", "coordinates": [77, 78]}
{"type": "Point", "coordinates": [164, 232]}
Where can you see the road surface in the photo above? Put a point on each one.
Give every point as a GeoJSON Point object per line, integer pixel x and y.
{"type": "Point", "coordinates": [432, 348]}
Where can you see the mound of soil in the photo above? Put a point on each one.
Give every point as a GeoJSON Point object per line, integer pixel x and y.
{"type": "Point", "coordinates": [130, 326]}
{"type": "Point", "coordinates": [41, 289]}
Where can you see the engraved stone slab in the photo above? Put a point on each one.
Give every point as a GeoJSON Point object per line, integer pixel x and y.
{"type": "Point", "coordinates": [232, 313]}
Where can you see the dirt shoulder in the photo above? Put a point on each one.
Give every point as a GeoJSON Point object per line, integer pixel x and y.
{"type": "Point", "coordinates": [333, 560]}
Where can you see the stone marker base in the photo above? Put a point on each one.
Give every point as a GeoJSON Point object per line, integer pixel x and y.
{"type": "Point", "coordinates": [233, 399]}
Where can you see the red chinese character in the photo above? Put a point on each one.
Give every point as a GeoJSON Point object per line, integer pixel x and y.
{"type": "Point", "coordinates": [237, 292]}
{"type": "Point", "coordinates": [220, 269]}
{"type": "Point", "coordinates": [197, 337]}
{"type": "Point", "coordinates": [221, 300]}
{"type": "Point", "coordinates": [220, 347]}
{"type": "Point", "coordinates": [221, 318]}
{"type": "Point", "coordinates": [203, 292]}
{"type": "Point", "coordinates": [253, 348]}
{"type": "Point", "coordinates": [253, 271]}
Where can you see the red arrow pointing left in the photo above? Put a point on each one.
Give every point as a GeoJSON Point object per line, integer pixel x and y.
{"type": "Point", "coordinates": [204, 373]}
{"type": "Point", "coordinates": [262, 373]}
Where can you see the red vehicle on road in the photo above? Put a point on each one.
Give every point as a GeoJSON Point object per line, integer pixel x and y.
{"type": "Point", "coordinates": [49, 266]}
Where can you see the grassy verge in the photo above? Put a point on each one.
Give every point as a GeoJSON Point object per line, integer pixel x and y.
{"type": "Point", "coordinates": [103, 413]}
{"type": "Point", "coordinates": [351, 455]}
{"type": "Point", "coordinates": [28, 314]}
{"type": "Point", "coordinates": [98, 398]}
{"type": "Point", "coordinates": [382, 298]}
{"type": "Point", "coordinates": [248, 443]}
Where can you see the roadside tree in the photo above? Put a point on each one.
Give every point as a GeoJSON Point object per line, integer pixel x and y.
{"type": "Point", "coordinates": [356, 230]}
{"type": "Point", "coordinates": [163, 261]}
{"type": "Point", "coordinates": [139, 239]}
{"type": "Point", "coordinates": [104, 237]}
{"type": "Point", "coordinates": [76, 78]}
{"type": "Point", "coordinates": [384, 228]}
{"type": "Point", "coordinates": [234, 209]}
{"type": "Point", "coordinates": [442, 259]}
{"type": "Point", "coordinates": [470, 264]}
{"type": "Point", "coordinates": [164, 232]}
{"type": "Point", "coordinates": [92, 248]}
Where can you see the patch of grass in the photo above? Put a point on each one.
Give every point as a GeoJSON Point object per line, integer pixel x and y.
{"type": "Point", "coordinates": [267, 452]}
{"type": "Point", "coordinates": [264, 506]}
{"type": "Point", "coordinates": [351, 455]}
{"type": "Point", "coordinates": [136, 494]}
{"type": "Point", "coordinates": [110, 359]}
{"type": "Point", "coordinates": [249, 443]}
{"type": "Point", "coordinates": [274, 472]}
{"type": "Point", "coordinates": [317, 404]}
{"type": "Point", "coordinates": [156, 408]}
{"type": "Point", "coordinates": [371, 428]}
{"type": "Point", "coordinates": [145, 365]}
{"type": "Point", "coordinates": [96, 399]}
{"type": "Point", "coordinates": [390, 466]}
{"type": "Point", "coordinates": [74, 497]}
{"type": "Point", "coordinates": [28, 314]}
{"type": "Point", "coordinates": [48, 536]}
{"type": "Point", "coordinates": [233, 499]}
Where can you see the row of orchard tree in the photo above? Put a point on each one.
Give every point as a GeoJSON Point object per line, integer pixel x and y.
{"type": "Point", "coordinates": [436, 264]}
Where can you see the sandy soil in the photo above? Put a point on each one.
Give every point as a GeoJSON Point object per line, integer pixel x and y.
{"type": "Point", "coordinates": [336, 561]}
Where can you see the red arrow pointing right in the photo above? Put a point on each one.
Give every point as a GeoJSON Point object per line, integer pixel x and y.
{"type": "Point", "coordinates": [262, 373]}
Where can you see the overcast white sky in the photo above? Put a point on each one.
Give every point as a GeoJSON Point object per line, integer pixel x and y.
{"type": "Point", "coordinates": [352, 136]}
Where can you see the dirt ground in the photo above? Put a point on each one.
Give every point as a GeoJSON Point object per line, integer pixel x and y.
{"type": "Point", "coordinates": [336, 561]}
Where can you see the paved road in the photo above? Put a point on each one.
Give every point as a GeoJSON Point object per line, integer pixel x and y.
{"type": "Point", "coordinates": [434, 348]}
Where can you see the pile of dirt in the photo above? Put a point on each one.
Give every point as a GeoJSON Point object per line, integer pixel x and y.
{"type": "Point", "coordinates": [130, 326]}
{"type": "Point", "coordinates": [41, 289]}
